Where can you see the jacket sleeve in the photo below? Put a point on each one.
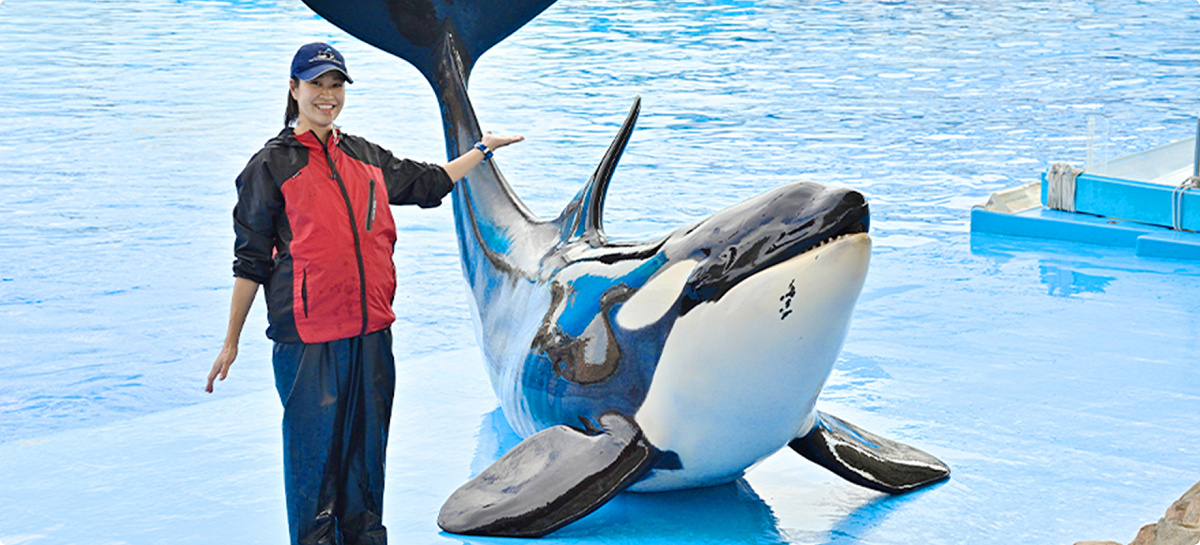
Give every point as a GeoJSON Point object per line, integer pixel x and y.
{"type": "Point", "coordinates": [414, 182]}
{"type": "Point", "coordinates": [254, 218]}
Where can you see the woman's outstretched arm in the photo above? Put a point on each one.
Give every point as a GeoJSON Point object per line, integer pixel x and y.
{"type": "Point", "coordinates": [463, 164]}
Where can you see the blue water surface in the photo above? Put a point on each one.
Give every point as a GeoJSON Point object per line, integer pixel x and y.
{"type": "Point", "coordinates": [1058, 380]}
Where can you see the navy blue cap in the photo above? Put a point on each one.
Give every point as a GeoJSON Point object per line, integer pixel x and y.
{"type": "Point", "coordinates": [314, 59]}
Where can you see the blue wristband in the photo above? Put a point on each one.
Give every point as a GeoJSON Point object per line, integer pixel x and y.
{"type": "Point", "coordinates": [486, 153]}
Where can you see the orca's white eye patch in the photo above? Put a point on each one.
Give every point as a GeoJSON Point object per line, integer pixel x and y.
{"type": "Point", "coordinates": [656, 297]}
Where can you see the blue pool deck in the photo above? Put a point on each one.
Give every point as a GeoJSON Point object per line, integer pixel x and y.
{"type": "Point", "coordinates": [1057, 380]}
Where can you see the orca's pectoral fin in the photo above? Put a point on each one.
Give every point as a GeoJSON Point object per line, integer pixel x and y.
{"type": "Point", "coordinates": [550, 480]}
{"type": "Point", "coordinates": [866, 459]}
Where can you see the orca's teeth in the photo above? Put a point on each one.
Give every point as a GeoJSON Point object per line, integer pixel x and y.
{"type": "Point", "coordinates": [852, 230]}
{"type": "Point", "coordinates": [835, 238]}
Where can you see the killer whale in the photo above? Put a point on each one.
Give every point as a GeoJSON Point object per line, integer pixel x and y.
{"type": "Point", "coordinates": [672, 363]}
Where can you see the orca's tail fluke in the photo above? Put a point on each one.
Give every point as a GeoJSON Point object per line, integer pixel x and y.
{"type": "Point", "coordinates": [416, 30]}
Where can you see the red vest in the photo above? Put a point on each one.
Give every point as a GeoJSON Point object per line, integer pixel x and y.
{"type": "Point", "coordinates": [320, 212]}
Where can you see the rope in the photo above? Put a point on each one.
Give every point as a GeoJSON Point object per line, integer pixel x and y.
{"type": "Point", "coordinates": [1193, 182]}
{"type": "Point", "coordinates": [1060, 190]}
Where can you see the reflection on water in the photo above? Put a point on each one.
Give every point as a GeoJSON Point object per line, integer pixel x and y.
{"type": "Point", "coordinates": [858, 523]}
{"type": "Point", "coordinates": [1065, 282]}
{"type": "Point", "coordinates": [495, 438]}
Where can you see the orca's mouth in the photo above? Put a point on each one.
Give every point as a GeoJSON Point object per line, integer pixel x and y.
{"type": "Point", "coordinates": [855, 228]}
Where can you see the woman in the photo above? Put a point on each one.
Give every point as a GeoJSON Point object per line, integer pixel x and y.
{"type": "Point", "coordinates": [313, 226]}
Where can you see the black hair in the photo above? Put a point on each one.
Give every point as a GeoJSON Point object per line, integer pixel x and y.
{"type": "Point", "coordinates": [293, 108]}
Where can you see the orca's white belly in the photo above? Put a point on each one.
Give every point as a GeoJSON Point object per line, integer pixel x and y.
{"type": "Point", "coordinates": [739, 377]}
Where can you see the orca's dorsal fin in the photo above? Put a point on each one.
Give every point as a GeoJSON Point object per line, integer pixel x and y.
{"type": "Point", "coordinates": [584, 216]}
{"type": "Point", "coordinates": [414, 30]}
{"type": "Point", "coordinates": [866, 459]}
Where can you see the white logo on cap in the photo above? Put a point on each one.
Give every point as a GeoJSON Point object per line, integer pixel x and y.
{"type": "Point", "coordinates": [326, 55]}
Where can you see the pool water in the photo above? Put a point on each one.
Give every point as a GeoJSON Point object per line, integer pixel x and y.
{"type": "Point", "coordinates": [1057, 380]}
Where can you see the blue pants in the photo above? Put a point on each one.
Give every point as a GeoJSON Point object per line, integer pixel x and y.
{"type": "Point", "coordinates": [337, 404]}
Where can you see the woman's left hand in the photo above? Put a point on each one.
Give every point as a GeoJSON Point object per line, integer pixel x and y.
{"type": "Point", "coordinates": [497, 141]}
{"type": "Point", "coordinates": [460, 166]}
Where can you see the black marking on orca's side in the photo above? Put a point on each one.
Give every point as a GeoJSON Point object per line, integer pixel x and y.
{"type": "Point", "coordinates": [786, 298]}
{"type": "Point", "coordinates": [668, 461]}
{"type": "Point", "coordinates": [591, 356]}
{"type": "Point", "coordinates": [569, 375]}
{"type": "Point", "coordinates": [549, 480]}
{"type": "Point", "coordinates": [869, 460]}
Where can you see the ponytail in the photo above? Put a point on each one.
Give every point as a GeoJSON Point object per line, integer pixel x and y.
{"type": "Point", "coordinates": [293, 108]}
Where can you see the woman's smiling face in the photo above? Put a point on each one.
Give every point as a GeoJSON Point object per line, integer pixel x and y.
{"type": "Point", "coordinates": [320, 100]}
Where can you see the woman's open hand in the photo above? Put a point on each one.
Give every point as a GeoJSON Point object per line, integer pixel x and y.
{"type": "Point", "coordinates": [497, 141]}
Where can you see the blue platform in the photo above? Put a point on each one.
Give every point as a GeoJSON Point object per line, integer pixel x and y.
{"type": "Point", "coordinates": [1146, 240]}
{"type": "Point", "coordinates": [1134, 203]}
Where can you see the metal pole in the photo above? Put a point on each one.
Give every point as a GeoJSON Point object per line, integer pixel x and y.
{"type": "Point", "coordinates": [1089, 163]}
{"type": "Point", "coordinates": [1196, 162]}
